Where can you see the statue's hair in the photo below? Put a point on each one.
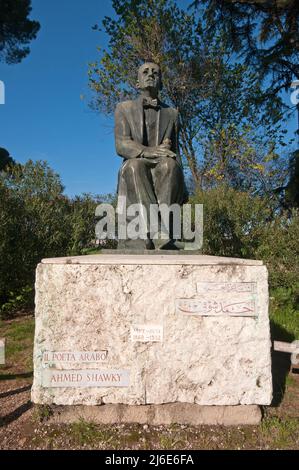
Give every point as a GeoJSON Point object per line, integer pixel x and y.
{"type": "Point", "coordinates": [148, 61]}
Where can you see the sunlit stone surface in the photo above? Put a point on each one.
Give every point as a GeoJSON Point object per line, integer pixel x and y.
{"type": "Point", "coordinates": [202, 322]}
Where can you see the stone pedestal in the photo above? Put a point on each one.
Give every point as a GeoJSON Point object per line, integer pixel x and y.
{"type": "Point", "coordinates": [152, 330]}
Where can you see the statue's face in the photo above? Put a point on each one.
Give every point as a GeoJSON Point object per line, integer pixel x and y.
{"type": "Point", "coordinates": [149, 76]}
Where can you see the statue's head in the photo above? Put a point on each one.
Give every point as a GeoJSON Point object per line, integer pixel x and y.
{"type": "Point", "coordinates": [149, 76]}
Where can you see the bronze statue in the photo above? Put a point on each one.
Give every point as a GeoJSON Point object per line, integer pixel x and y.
{"type": "Point", "coordinates": [146, 136]}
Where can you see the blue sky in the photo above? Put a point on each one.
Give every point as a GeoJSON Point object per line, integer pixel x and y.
{"type": "Point", "coordinates": [43, 117]}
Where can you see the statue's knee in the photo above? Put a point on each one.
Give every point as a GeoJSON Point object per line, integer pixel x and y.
{"type": "Point", "coordinates": [168, 164]}
{"type": "Point", "coordinates": [131, 166]}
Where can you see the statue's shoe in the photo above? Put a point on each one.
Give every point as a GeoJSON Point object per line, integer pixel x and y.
{"type": "Point", "coordinates": [166, 245]}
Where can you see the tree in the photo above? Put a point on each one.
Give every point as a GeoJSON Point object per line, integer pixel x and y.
{"type": "Point", "coordinates": [16, 30]}
{"type": "Point", "coordinates": [219, 101]}
{"type": "Point", "coordinates": [154, 30]}
{"type": "Point", "coordinates": [5, 159]}
{"type": "Point", "coordinates": [38, 221]}
{"type": "Point", "coordinates": [266, 32]}
{"type": "Point", "coordinates": [33, 215]}
{"type": "Point", "coordinates": [292, 188]}
{"type": "Point", "coordinates": [239, 132]}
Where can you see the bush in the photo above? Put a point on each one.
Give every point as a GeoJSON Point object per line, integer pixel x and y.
{"type": "Point", "coordinates": [82, 222]}
{"type": "Point", "coordinates": [237, 224]}
{"type": "Point", "coordinates": [33, 212]}
{"type": "Point", "coordinates": [13, 242]}
{"type": "Point", "coordinates": [233, 221]}
{"type": "Point", "coordinates": [279, 249]}
{"type": "Point", "coordinates": [38, 221]}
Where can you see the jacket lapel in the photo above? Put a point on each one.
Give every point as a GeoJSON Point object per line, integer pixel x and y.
{"type": "Point", "coordinates": [164, 123]}
{"type": "Point", "coordinates": [137, 120]}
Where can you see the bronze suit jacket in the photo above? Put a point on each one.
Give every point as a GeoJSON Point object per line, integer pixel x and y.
{"type": "Point", "coordinates": [129, 128]}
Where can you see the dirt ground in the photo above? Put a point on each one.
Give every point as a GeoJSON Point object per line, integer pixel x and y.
{"type": "Point", "coordinates": [24, 426]}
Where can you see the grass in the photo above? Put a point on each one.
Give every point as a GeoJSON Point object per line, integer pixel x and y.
{"type": "Point", "coordinates": [290, 381]}
{"type": "Point", "coordinates": [99, 250]}
{"type": "Point", "coordinates": [284, 315]}
{"type": "Point", "coordinates": [273, 433]}
{"type": "Point", "coordinates": [18, 336]}
{"type": "Point", "coordinates": [42, 412]}
{"type": "Point", "coordinates": [83, 433]}
{"type": "Point", "coordinates": [282, 432]}
{"type": "Point", "coordinates": [91, 251]}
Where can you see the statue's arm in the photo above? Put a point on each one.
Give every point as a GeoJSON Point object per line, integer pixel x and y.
{"type": "Point", "coordinates": [126, 147]}
{"type": "Point", "coordinates": [175, 138]}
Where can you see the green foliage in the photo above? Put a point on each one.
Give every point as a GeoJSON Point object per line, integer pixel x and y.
{"type": "Point", "coordinates": [16, 30]}
{"type": "Point", "coordinates": [278, 247]}
{"type": "Point", "coordinates": [18, 345]}
{"type": "Point", "coordinates": [13, 221]}
{"type": "Point", "coordinates": [17, 301]}
{"type": "Point", "coordinates": [284, 313]}
{"type": "Point", "coordinates": [238, 224]}
{"type": "Point", "coordinates": [292, 189]}
{"type": "Point", "coordinates": [32, 208]}
{"type": "Point", "coordinates": [82, 222]}
{"type": "Point", "coordinates": [38, 221]}
{"type": "Point", "coordinates": [5, 159]}
{"type": "Point", "coordinates": [233, 221]}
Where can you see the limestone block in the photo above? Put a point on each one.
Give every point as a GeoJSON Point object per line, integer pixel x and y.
{"type": "Point", "coordinates": [213, 312]}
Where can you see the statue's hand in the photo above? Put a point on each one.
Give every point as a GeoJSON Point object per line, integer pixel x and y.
{"type": "Point", "coordinates": [170, 154]}
{"type": "Point", "coordinates": [167, 152]}
{"type": "Point", "coordinates": [159, 151]}
{"type": "Point", "coordinates": [166, 144]}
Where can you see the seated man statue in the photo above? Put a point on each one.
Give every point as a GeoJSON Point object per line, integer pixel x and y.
{"type": "Point", "coordinates": [146, 136]}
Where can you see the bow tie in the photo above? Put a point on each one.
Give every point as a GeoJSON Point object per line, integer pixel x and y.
{"type": "Point", "coordinates": [148, 103]}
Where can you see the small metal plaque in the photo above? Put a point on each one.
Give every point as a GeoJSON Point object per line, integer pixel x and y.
{"type": "Point", "coordinates": [220, 307]}
{"type": "Point", "coordinates": [85, 378]}
{"type": "Point", "coordinates": [52, 358]}
{"type": "Point", "coordinates": [226, 287]}
{"type": "Point", "coordinates": [287, 347]}
{"type": "Point", "coordinates": [147, 333]}
{"type": "Point", "coordinates": [2, 351]}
